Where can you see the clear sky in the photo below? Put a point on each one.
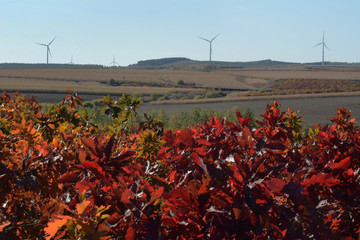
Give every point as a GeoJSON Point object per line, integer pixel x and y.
{"type": "Point", "coordinates": [93, 31]}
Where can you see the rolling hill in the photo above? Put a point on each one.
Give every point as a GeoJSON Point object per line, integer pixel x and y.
{"type": "Point", "coordinates": [179, 63]}
{"type": "Point", "coordinates": [182, 63]}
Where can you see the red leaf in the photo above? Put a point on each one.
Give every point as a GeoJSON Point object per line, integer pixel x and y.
{"type": "Point", "coordinates": [203, 142]}
{"type": "Point", "coordinates": [85, 185]}
{"type": "Point", "coordinates": [82, 155]}
{"type": "Point", "coordinates": [196, 159]}
{"type": "Point", "coordinates": [238, 115]}
{"type": "Point", "coordinates": [349, 172]}
{"type": "Point", "coordinates": [109, 146]}
{"type": "Point", "coordinates": [95, 168]}
{"type": "Point", "coordinates": [324, 134]}
{"type": "Point", "coordinates": [253, 218]}
{"type": "Point", "coordinates": [343, 164]}
{"type": "Point", "coordinates": [237, 213]}
{"type": "Point", "coordinates": [260, 202]}
{"type": "Point", "coordinates": [124, 155]}
{"type": "Point", "coordinates": [185, 137]}
{"type": "Point", "coordinates": [160, 179]}
{"type": "Point", "coordinates": [204, 189]}
{"type": "Point", "coordinates": [245, 138]}
{"type": "Point", "coordinates": [321, 178]}
{"type": "Point", "coordinates": [156, 194]}
{"type": "Point", "coordinates": [275, 185]}
{"type": "Point", "coordinates": [168, 221]}
{"type": "Point", "coordinates": [14, 132]}
{"type": "Point", "coordinates": [127, 169]}
{"type": "Point", "coordinates": [219, 129]}
{"type": "Point", "coordinates": [114, 220]}
{"type": "Point", "coordinates": [69, 177]}
{"type": "Point", "coordinates": [90, 145]}
{"type": "Point", "coordinates": [130, 234]}
{"type": "Point", "coordinates": [237, 175]}
{"type": "Point", "coordinates": [126, 196]}
{"type": "Point", "coordinates": [172, 176]}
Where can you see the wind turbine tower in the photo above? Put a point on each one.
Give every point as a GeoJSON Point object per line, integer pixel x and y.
{"type": "Point", "coordinates": [210, 41]}
{"type": "Point", "coordinates": [323, 47]}
{"type": "Point", "coordinates": [114, 63]}
{"type": "Point", "coordinates": [47, 49]}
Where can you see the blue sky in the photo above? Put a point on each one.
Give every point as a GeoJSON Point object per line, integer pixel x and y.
{"type": "Point", "coordinates": [93, 31]}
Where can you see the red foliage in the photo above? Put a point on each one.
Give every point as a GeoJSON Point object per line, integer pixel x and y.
{"type": "Point", "coordinates": [62, 177]}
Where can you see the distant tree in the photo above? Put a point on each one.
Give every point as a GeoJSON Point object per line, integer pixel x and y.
{"type": "Point", "coordinates": [112, 82]}
{"type": "Point", "coordinates": [180, 82]}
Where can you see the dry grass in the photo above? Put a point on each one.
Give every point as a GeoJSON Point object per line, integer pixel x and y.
{"type": "Point", "coordinates": [89, 81]}
{"type": "Point", "coordinates": [213, 79]}
{"type": "Point", "coordinates": [40, 85]}
{"type": "Point", "coordinates": [93, 80]}
{"type": "Point", "coordinates": [298, 74]}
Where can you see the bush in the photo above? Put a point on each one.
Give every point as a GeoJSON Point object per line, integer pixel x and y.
{"type": "Point", "coordinates": [88, 105]}
{"type": "Point", "coordinates": [180, 82]}
{"type": "Point", "coordinates": [214, 94]}
{"type": "Point", "coordinates": [63, 177]}
{"type": "Point", "coordinates": [112, 82]}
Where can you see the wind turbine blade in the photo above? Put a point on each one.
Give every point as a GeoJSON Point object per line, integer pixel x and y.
{"type": "Point", "coordinates": [52, 41]}
{"type": "Point", "coordinates": [323, 36]}
{"type": "Point", "coordinates": [49, 52]}
{"type": "Point", "coordinates": [326, 46]}
{"type": "Point", "coordinates": [215, 37]}
{"type": "Point", "coordinates": [205, 39]}
{"type": "Point", "coordinates": [42, 44]}
{"type": "Point", "coordinates": [318, 44]}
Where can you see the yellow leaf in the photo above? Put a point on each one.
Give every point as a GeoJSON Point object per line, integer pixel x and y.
{"type": "Point", "coordinates": [62, 128]}
{"type": "Point", "coordinates": [55, 143]}
{"type": "Point", "coordinates": [82, 196]}
{"type": "Point", "coordinates": [101, 209]}
{"type": "Point", "coordinates": [105, 216]}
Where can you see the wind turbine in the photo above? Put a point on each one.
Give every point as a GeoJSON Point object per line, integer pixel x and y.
{"type": "Point", "coordinates": [71, 62]}
{"type": "Point", "coordinates": [210, 41]}
{"type": "Point", "coordinates": [323, 46]}
{"type": "Point", "coordinates": [114, 63]}
{"type": "Point", "coordinates": [47, 49]}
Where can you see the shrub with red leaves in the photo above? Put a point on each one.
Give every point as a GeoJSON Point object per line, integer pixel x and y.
{"type": "Point", "coordinates": [62, 176]}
